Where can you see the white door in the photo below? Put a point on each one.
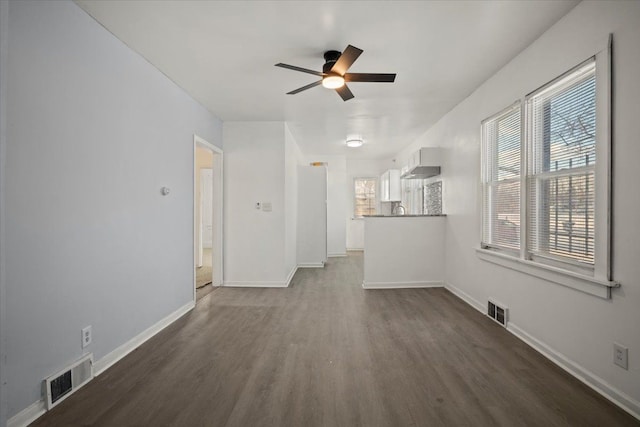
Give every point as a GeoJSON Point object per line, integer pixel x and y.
{"type": "Point", "coordinates": [206, 214]}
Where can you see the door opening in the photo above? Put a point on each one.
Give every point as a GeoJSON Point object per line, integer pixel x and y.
{"type": "Point", "coordinates": [207, 211]}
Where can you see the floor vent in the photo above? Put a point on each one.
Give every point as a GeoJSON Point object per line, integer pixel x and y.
{"type": "Point", "coordinates": [497, 312]}
{"type": "Point", "coordinates": [61, 385]}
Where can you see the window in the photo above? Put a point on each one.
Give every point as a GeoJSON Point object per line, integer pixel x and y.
{"type": "Point", "coordinates": [364, 202]}
{"type": "Point", "coordinates": [501, 148]}
{"type": "Point", "coordinates": [545, 177]}
{"type": "Point", "coordinates": [561, 170]}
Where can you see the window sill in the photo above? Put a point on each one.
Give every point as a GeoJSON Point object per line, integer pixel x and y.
{"type": "Point", "coordinates": [590, 285]}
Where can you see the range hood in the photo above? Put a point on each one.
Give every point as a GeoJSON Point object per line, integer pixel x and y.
{"type": "Point", "coordinates": [421, 172]}
{"type": "Point", "coordinates": [424, 163]}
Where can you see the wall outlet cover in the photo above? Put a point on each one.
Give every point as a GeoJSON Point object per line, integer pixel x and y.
{"type": "Point", "coordinates": [86, 336]}
{"type": "Point", "coordinates": [621, 356]}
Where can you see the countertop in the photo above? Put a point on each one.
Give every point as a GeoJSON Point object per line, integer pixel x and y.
{"type": "Point", "coordinates": [401, 216]}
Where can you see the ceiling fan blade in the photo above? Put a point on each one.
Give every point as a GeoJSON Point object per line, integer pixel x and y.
{"type": "Point", "coordinates": [303, 70]}
{"type": "Point", "coordinates": [347, 59]}
{"type": "Point", "coordinates": [309, 86]}
{"type": "Point", "coordinates": [344, 93]}
{"type": "Point", "coordinates": [369, 77]}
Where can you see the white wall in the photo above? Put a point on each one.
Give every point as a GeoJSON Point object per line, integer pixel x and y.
{"type": "Point", "coordinates": [94, 131]}
{"type": "Point", "coordinates": [336, 202]}
{"type": "Point", "coordinates": [358, 168]}
{"type": "Point", "coordinates": [404, 252]}
{"type": "Point", "coordinates": [254, 171]}
{"type": "Point", "coordinates": [578, 329]}
{"type": "Point", "coordinates": [260, 166]}
{"type": "Point", "coordinates": [312, 216]}
{"type": "Point", "coordinates": [292, 158]}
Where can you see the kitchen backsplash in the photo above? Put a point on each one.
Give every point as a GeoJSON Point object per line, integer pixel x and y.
{"type": "Point", "coordinates": [433, 198]}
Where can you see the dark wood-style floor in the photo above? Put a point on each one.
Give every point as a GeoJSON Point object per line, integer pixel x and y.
{"type": "Point", "coordinates": [325, 352]}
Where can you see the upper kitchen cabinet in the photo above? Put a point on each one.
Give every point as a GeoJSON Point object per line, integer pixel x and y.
{"type": "Point", "coordinates": [422, 164]}
{"type": "Point", "coordinates": [390, 188]}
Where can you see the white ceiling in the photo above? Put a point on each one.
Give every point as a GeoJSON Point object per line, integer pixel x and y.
{"type": "Point", "coordinates": [223, 54]}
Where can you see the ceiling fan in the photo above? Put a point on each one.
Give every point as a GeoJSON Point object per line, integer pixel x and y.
{"type": "Point", "coordinates": [334, 73]}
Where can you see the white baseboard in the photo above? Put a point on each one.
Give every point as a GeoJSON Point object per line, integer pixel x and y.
{"type": "Point", "coordinates": [355, 249]}
{"type": "Point", "coordinates": [311, 265]}
{"type": "Point", "coordinates": [291, 274]}
{"type": "Point", "coordinates": [401, 285]}
{"type": "Point", "coordinates": [36, 409]}
{"type": "Point", "coordinates": [599, 385]}
{"type": "Point", "coordinates": [110, 359]}
{"type": "Point", "coordinates": [596, 383]}
{"type": "Point", "coordinates": [337, 254]}
{"type": "Point", "coordinates": [230, 284]}
{"type": "Point", "coordinates": [465, 297]}
{"type": "Point", "coordinates": [28, 414]}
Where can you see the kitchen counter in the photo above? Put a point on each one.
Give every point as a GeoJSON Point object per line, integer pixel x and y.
{"type": "Point", "coordinates": [404, 254]}
{"type": "Point", "coordinates": [401, 216]}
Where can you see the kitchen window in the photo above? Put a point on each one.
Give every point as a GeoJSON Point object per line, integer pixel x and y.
{"type": "Point", "coordinates": [364, 202]}
{"type": "Point", "coordinates": [545, 181]}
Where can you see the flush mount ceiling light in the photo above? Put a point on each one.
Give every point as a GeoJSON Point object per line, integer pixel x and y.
{"type": "Point", "coordinates": [354, 142]}
{"type": "Point", "coordinates": [333, 81]}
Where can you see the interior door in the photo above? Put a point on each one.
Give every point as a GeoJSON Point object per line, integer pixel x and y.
{"type": "Point", "coordinates": [206, 216]}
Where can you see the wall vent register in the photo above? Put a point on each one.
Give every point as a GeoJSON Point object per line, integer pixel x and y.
{"type": "Point", "coordinates": [497, 312]}
{"type": "Point", "coordinates": [64, 383]}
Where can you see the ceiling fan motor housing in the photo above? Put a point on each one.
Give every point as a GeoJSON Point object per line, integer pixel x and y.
{"type": "Point", "coordinates": [330, 56]}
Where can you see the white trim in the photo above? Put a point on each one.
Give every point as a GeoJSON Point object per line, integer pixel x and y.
{"type": "Point", "coordinates": [337, 255]}
{"type": "Point", "coordinates": [355, 249]}
{"type": "Point", "coordinates": [113, 357]}
{"type": "Point", "coordinates": [465, 297]}
{"type": "Point", "coordinates": [28, 414]}
{"type": "Point", "coordinates": [311, 265]}
{"type": "Point", "coordinates": [261, 284]}
{"type": "Point", "coordinates": [594, 382]}
{"type": "Point", "coordinates": [402, 285]}
{"type": "Point", "coordinates": [590, 285]}
{"type": "Point", "coordinates": [291, 274]}
{"type": "Point", "coordinates": [218, 209]}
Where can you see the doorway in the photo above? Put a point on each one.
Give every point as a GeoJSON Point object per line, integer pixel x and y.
{"type": "Point", "coordinates": [207, 209]}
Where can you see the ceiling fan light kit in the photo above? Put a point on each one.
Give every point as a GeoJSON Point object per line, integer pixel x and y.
{"type": "Point", "coordinates": [334, 73]}
{"type": "Point", "coordinates": [333, 81]}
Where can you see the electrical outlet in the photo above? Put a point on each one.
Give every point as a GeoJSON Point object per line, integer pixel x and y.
{"type": "Point", "coordinates": [86, 336]}
{"type": "Point", "coordinates": [621, 356]}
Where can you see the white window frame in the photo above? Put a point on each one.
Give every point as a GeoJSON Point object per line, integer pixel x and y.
{"type": "Point", "coordinates": [597, 281]}
{"type": "Point", "coordinates": [353, 186]}
{"type": "Point", "coordinates": [515, 106]}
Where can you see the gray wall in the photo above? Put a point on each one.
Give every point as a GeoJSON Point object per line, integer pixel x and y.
{"type": "Point", "coordinates": [4, 32]}
{"type": "Point", "coordinates": [94, 131]}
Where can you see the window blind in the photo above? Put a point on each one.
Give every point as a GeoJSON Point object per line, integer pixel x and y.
{"type": "Point", "coordinates": [501, 151]}
{"type": "Point", "coordinates": [365, 197]}
{"type": "Point", "coordinates": [561, 167]}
